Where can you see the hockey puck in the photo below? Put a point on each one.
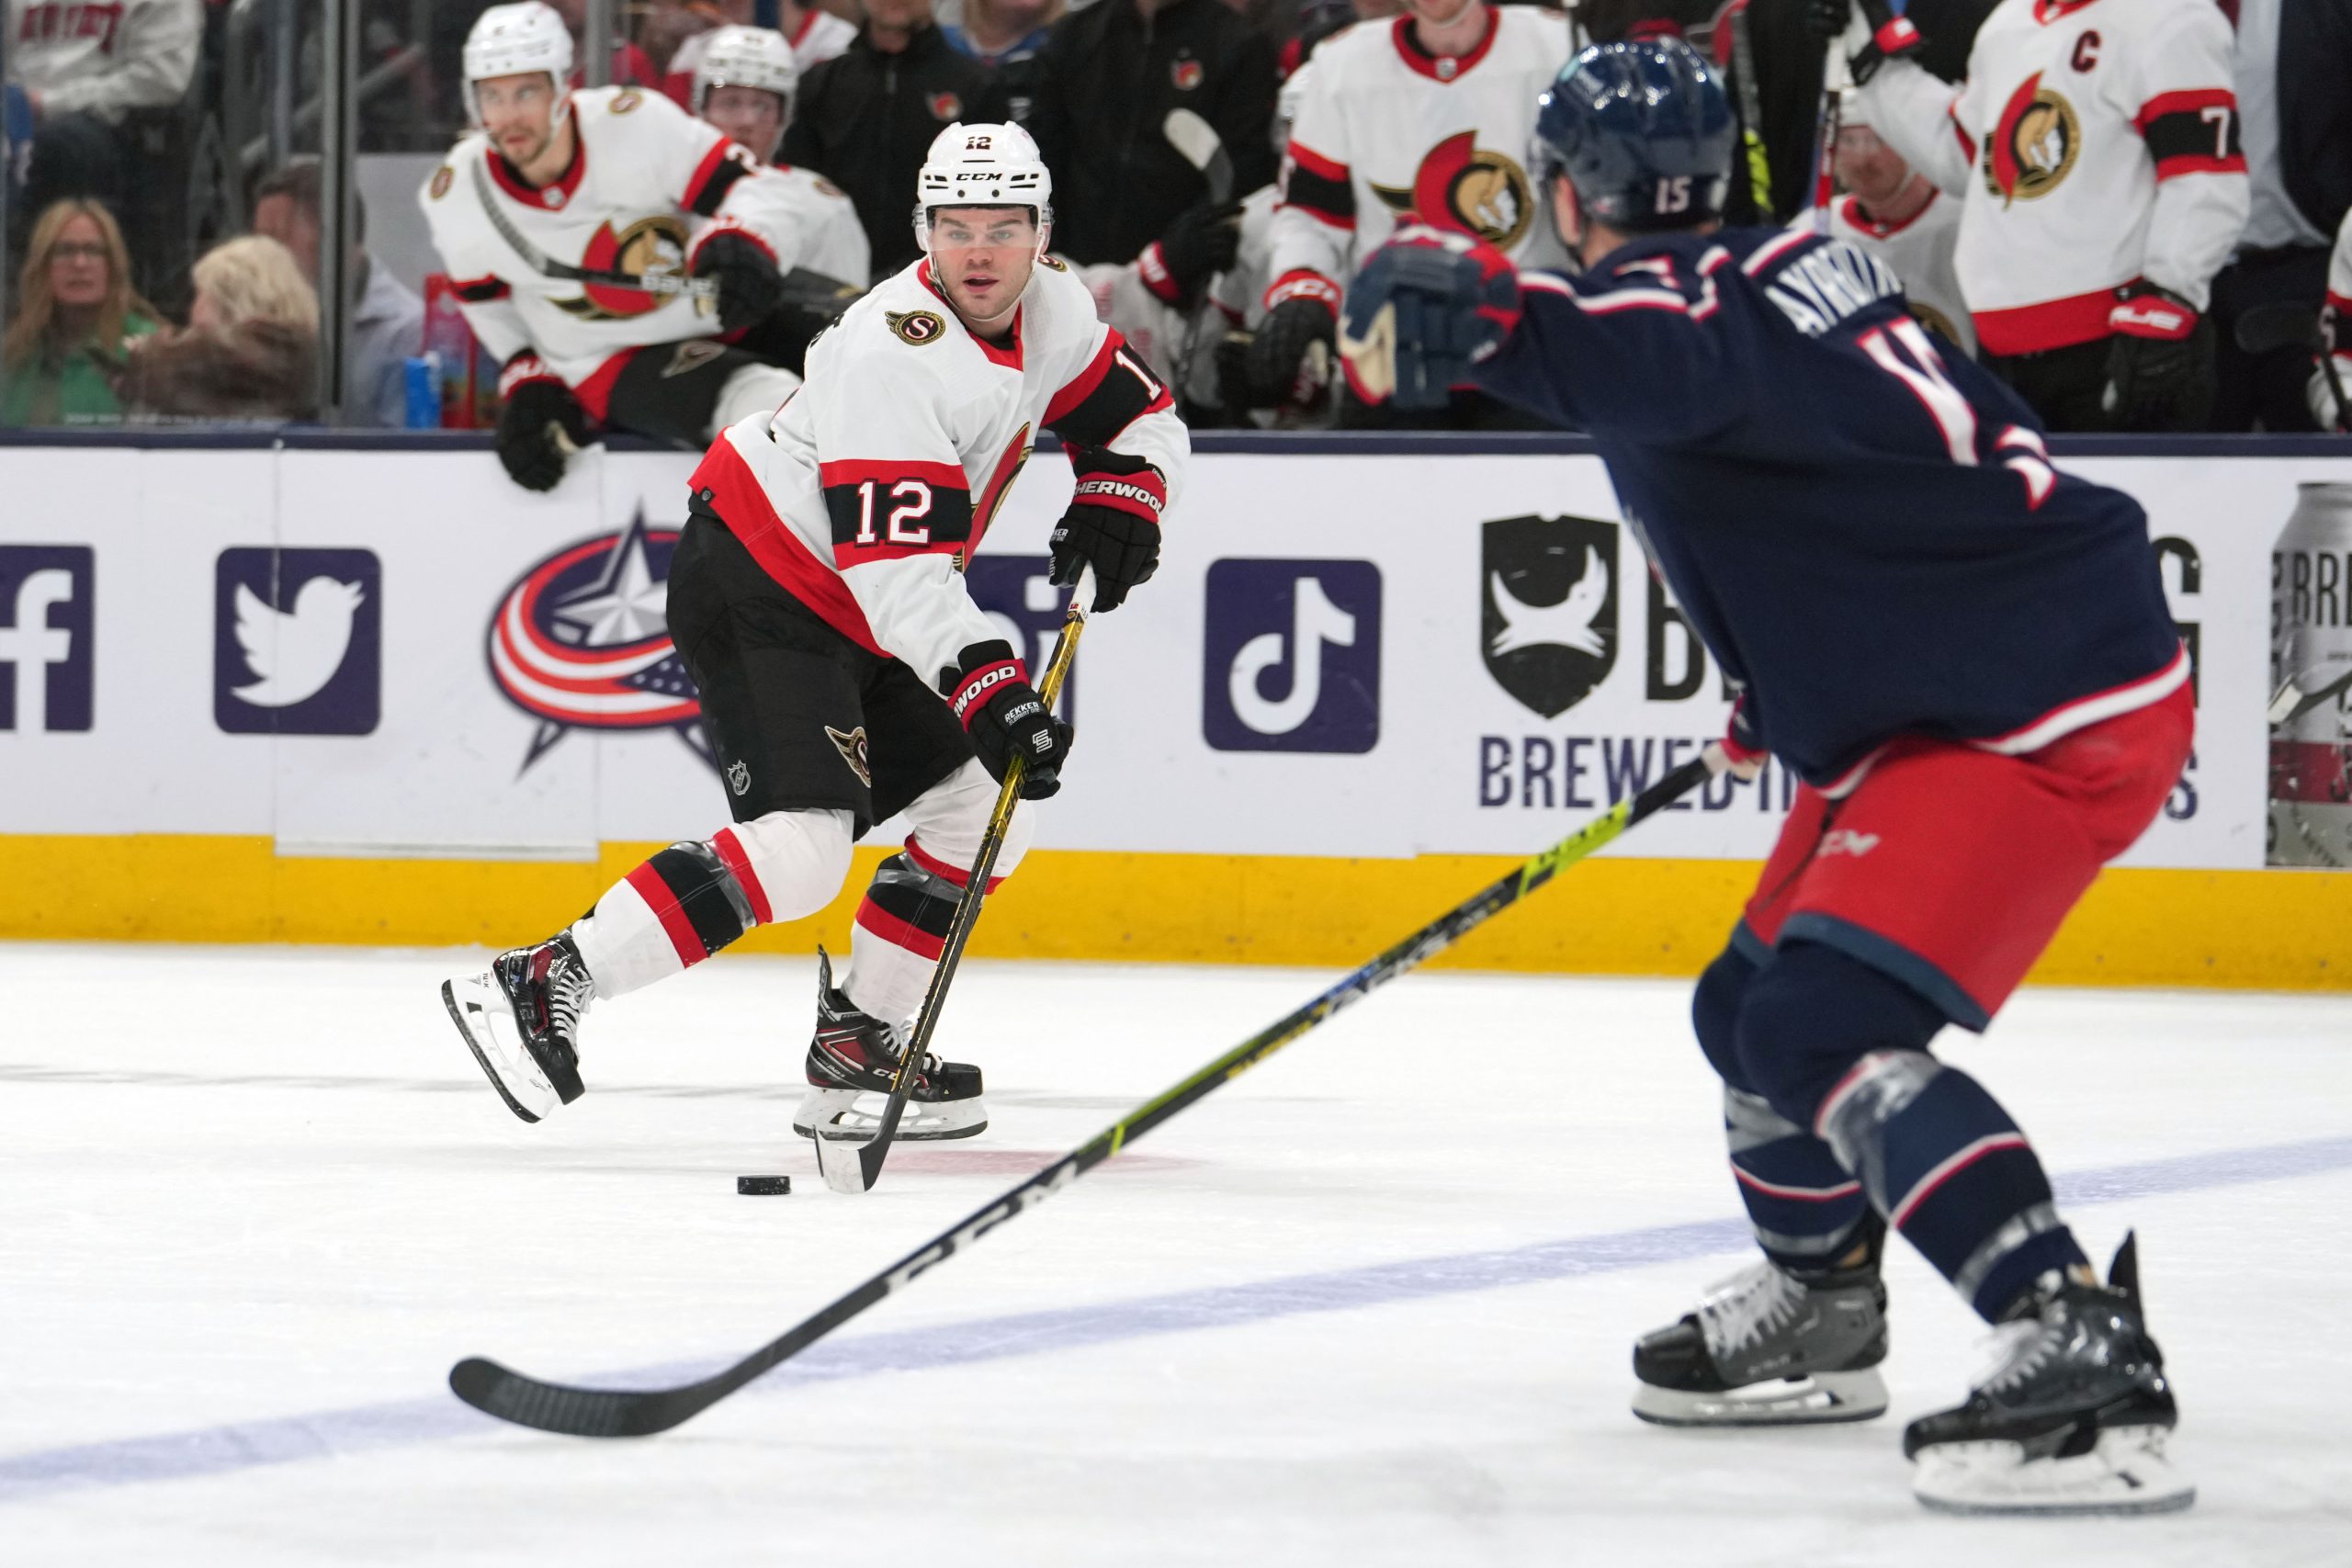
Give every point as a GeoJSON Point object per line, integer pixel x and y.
{"type": "Point", "coordinates": [763, 1186]}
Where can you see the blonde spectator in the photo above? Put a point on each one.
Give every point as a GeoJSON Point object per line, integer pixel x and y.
{"type": "Point", "coordinates": [78, 313]}
{"type": "Point", "coordinates": [251, 347]}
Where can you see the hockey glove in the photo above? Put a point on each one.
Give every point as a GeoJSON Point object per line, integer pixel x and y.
{"type": "Point", "coordinates": [749, 285]}
{"type": "Point", "coordinates": [1113, 524]}
{"type": "Point", "coordinates": [541, 426]}
{"type": "Point", "coordinates": [1290, 357]}
{"type": "Point", "coordinates": [2159, 363]}
{"type": "Point", "coordinates": [1426, 308]}
{"type": "Point", "coordinates": [1873, 34]}
{"type": "Point", "coordinates": [990, 691]}
{"type": "Point", "coordinates": [1201, 243]}
{"type": "Point", "coordinates": [1743, 749]}
{"type": "Point", "coordinates": [2326, 413]}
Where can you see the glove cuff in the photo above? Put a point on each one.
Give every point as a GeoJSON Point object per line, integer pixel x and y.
{"type": "Point", "coordinates": [1145, 494]}
{"type": "Point", "coordinates": [523, 369]}
{"type": "Point", "coordinates": [1304, 284]}
{"type": "Point", "coordinates": [1152, 268]}
{"type": "Point", "coordinates": [2150, 310]}
{"type": "Point", "coordinates": [1896, 36]}
{"type": "Point", "coordinates": [984, 669]}
{"type": "Point", "coordinates": [724, 227]}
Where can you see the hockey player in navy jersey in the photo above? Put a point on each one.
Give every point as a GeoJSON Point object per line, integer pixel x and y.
{"type": "Point", "coordinates": [1966, 656]}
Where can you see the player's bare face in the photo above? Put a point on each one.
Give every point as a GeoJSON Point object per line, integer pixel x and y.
{"type": "Point", "coordinates": [1869, 168]}
{"type": "Point", "coordinates": [1439, 13]}
{"type": "Point", "coordinates": [982, 257]}
{"type": "Point", "coordinates": [751, 117]}
{"type": "Point", "coordinates": [518, 115]}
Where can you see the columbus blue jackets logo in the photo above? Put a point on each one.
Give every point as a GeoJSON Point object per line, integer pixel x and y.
{"type": "Point", "coordinates": [2033, 145]}
{"type": "Point", "coordinates": [580, 642]}
{"type": "Point", "coordinates": [1548, 620]}
{"type": "Point", "coordinates": [1471, 189]}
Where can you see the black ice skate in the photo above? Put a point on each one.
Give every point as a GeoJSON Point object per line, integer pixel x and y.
{"type": "Point", "coordinates": [2072, 1420]}
{"type": "Point", "coordinates": [522, 1022]}
{"type": "Point", "coordinates": [854, 1054]}
{"type": "Point", "coordinates": [1767, 1349]}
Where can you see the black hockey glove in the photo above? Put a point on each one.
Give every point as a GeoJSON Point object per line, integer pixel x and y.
{"type": "Point", "coordinates": [2160, 372]}
{"type": "Point", "coordinates": [990, 691]}
{"type": "Point", "coordinates": [1286, 369]}
{"type": "Point", "coordinates": [541, 426]}
{"type": "Point", "coordinates": [1202, 243]}
{"type": "Point", "coordinates": [749, 285]}
{"type": "Point", "coordinates": [1113, 524]}
{"type": "Point", "coordinates": [1873, 33]}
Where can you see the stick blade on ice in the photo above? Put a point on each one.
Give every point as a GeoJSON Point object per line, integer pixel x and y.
{"type": "Point", "coordinates": [553, 1407]}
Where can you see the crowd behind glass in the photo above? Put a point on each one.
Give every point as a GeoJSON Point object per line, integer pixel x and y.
{"type": "Point", "coordinates": [164, 227]}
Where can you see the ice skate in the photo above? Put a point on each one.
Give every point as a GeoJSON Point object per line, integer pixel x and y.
{"type": "Point", "coordinates": [522, 1023]}
{"type": "Point", "coordinates": [2073, 1418]}
{"type": "Point", "coordinates": [1766, 1348]}
{"type": "Point", "coordinates": [851, 1059]}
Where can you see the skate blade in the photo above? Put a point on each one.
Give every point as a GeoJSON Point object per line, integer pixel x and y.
{"type": "Point", "coordinates": [855, 1116]}
{"type": "Point", "coordinates": [477, 1006]}
{"type": "Point", "coordinates": [2127, 1473]}
{"type": "Point", "coordinates": [1822, 1399]}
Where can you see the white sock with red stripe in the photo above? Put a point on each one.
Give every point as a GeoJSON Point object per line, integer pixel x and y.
{"type": "Point", "coordinates": [692, 900]}
{"type": "Point", "coordinates": [902, 921]}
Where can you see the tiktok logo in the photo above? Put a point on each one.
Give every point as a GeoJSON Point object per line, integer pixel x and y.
{"type": "Point", "coordinates": [46, 648]}
{"type": "Point", "coordinates": [1293, 656]}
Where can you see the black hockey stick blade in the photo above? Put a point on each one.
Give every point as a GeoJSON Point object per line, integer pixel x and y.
{"type": "Point", "coordinates": [2266, 328]}
{"type": "Point", "coordinates": [1196, 141]}
{"type": "Point", "coordinates": [622, 1413]}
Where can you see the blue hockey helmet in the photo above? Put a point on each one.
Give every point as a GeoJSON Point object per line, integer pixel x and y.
{"type": "Point", "coordinates": [1644, 132]}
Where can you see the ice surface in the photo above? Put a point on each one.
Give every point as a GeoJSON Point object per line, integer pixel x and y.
{"type": "Point", "coordinates": [1370, 1304]}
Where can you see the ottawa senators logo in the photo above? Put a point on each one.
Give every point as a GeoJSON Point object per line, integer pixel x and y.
{"type": "Point", "coordinates": [1462, 185]}
{"type": "Point", "coordinates": [916, 327]}
{"type": "Point", "coordinates": [627, 101]}
{"type": "Point", "coordinates": [1186, 74]}
{"type": "Point", "coordinates": [852, 746]}
{"type": "Point", "coordinates": [1055, 261]}
{"type": "Point", "coordinates": [945, 107]}
{"type": "Point", "coordinates": [1936, 322]}
{"type": "Point", "coordinates": [2034, 144]}
{"type": "Point", "coordinates": [442, 177]}
{"type": "Point", "coordinates": [647, 245]}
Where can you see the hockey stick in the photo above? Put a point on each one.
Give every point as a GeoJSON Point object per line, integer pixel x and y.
{"type": "Point", "coordinates": [854, 1165]}
{"type": "Point", "coordinates": [1751, 113]}
{"type": "Point", "coordinates": [637, 1413]}
{"type": "Point", "coordinates": [1196, 141]}
{"type": "Point", "coordinates": [2268, 328]}
{"type": "Point", "coordinates": [703, 291]}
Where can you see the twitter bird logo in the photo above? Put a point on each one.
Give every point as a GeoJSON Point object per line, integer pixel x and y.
{"type": "Point", "coordinates": [297, 649]}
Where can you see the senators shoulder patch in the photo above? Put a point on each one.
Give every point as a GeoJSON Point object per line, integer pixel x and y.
{"type": "Point", "coordinates": [442, 177]}
{"type": "Point", "coordinates": [1055, 261]}
{"type": "Point", "coordinates": [916, 327]}
{"type": "Point", "coordinates": [626, 101]}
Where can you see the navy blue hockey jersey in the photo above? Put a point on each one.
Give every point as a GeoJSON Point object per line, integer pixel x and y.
{"type": "Point", "coordinates": [1863, 525]}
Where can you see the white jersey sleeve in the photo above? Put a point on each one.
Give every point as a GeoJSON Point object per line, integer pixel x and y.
{"type": "Point", "coordinates": [2336, 320]}
{"type": "Point", "coordinates": [2184, 86]}
{"type": "Point", "coordinates": [105, 60]}
{"type": "Point", "coordinates": [720, 184]}
{"type": "Point", "coordinates": [831, 239]}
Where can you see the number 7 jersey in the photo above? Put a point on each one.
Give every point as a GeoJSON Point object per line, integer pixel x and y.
{"type": "Point", "coordinates": [864, 494]}
{"type": "Point", "coordinates": [1861, 524]}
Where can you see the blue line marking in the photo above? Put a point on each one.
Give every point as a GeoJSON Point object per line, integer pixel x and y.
{"type": "Point", "coordinates": [248, 1445]}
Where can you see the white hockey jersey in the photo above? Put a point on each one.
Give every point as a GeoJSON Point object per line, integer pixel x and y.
{"type": "Point", "coordinates": [832, 239]}
{"type": "Point", "coordinates": [104, 57]}
{"type": "Point", "coordinates": [1921, 251]}
{"type": "Point", "coordinates": [867, 491]}
{"type": "Point", "coordinates": [650, 185]}
{"type": "Point", "coordinates": [2095, 146]}
{"type": "Point", "coordinates": [2336, 319]}
{"type": "Point", "coordinates": [820, 36]}
{"type": "Point", "coordinates": [1128, 298]}
{"type": "Point", "coordinates": [1386, 129]}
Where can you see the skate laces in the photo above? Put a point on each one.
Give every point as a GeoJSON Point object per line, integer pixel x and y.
{"type": "Point", "coordinates": [2014, 1351]}
{"type": "Point", "coordinates": [1740, 1311]}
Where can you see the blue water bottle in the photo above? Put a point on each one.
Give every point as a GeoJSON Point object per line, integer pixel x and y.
{"type": "Point", "coordinates": [423, 372]}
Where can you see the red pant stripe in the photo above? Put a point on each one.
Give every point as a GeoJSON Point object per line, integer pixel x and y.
{"type": "Point", "coordinates": [960, 875]}
{"type": "Point", "coordinates": [730, 851]}
{"type": "Point", "coordinates": [670, 912]}
{"type": "Point", "coordinates": [899, 932]}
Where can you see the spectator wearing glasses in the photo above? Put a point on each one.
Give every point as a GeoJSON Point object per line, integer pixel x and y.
{"type": "Point", "coordinates": [77, 316]}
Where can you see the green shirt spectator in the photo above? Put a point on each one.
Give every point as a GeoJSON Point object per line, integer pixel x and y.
{"type": "Point", "coordinates": [66, 350]}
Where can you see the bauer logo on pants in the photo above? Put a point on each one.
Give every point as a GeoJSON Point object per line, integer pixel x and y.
{"type": "Point", "coordinates": [297, 642]}
{"type": "Point", "coordinates": [1293, 656]}
{"type": "Point", "coordinates": [1548, 613]}
{"type": "Point", "coordinates": [581, 641]}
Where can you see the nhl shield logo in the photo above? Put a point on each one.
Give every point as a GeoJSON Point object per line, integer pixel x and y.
{"type": "Point", "coordinates": [1548, 611]}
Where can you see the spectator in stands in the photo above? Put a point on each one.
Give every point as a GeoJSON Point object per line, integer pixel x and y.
{"type": "Point", "coordinates": [1097, 95]}
{"type": "Point", "coordinates": [999, 33]}
{"type": "Point", "coordinates": [865, 119]}
{"type": "Point", "coordinates": [76, 315]}
{"type": "Point", "coordinates": [250, 350]}
{"type": "Point", "coordinates": [815, 35]}
{"type": "Point", "coordinates": [387, 317]}
{"type": "Point", "coordinates": [82, 74]}
{"type": "Point", "coordinates": [2295, 87]}
{"type": "Point", "coordinates": [632, 67]}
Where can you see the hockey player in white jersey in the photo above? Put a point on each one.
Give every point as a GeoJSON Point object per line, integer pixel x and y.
{"type": "Point", "coordinates": [2095, 144]}
{"type": "Point", "coordinates": [846, 673]}
{"type": "Point", "coordinates": [1428, 115]}
{"type": "Point", "coordinates": [623, 260]}
{"type": "Point", "coordinates": [743, 87]}
{"type": "Point", "coordinates": [2326, 390]}
{"type": "Point", "coordinates": [1895, 213]}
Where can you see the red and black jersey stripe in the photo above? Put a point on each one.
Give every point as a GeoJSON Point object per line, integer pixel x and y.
{"type": "Point", "coordinates": [888, 510]}
{"type": "Point", "coordinates": [478, 290]}
{"type": "Point", "coordinates": [1319, 187]}
{"type": "Point", "coordinates": [715, 175]}
{"type": "Point", "coordinates": [1115, 389]}
{"type": "Point", "coordinates": [2192, 133]}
